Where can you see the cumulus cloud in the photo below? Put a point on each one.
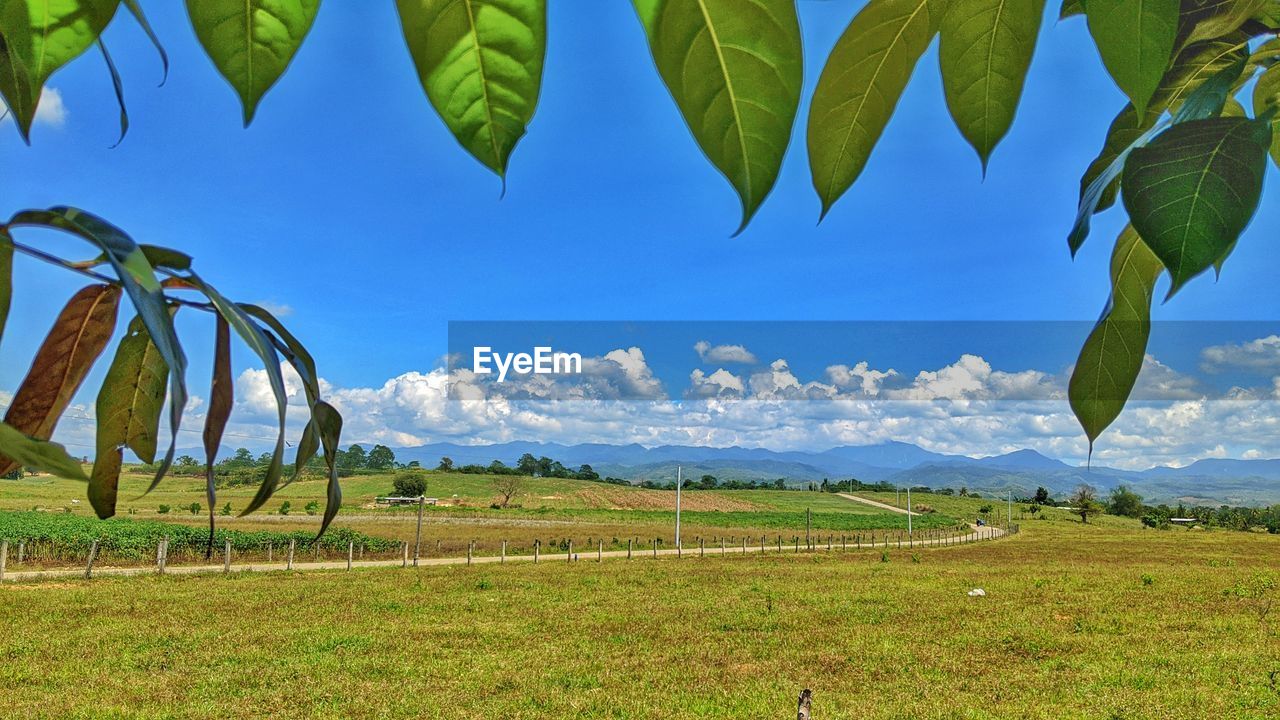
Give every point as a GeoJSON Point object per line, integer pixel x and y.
{"type": "Point", "coordinates": [720, 383]}
{"type": "Point", "coordinates": [736, 354]}
{"type": "Point", "coordinates": [1262, 354]}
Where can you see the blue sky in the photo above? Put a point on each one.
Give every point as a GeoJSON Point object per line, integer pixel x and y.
{"type": "Point", "coordinates": [349, 202]}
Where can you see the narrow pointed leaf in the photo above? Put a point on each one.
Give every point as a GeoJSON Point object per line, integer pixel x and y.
{"type": "Point", "coordinates": [78, 337]}
{"type": "Point", "coordinates": [118, 86]}
{"type": "Point", "coordinates": [135, 9]}
{"type": "Point", "coordinates": [860, 86]}
{"type": "Point", "coordinates": [6, 278]}
{"type": "Point", "coordinates": [735, 69]}
{"type": "Point", "coordinates": [251, 42]}
{"type": "Point", "coordinates": [480, 63]}
{"type": "Point", "coordinates": [1112, 356]}
{"type": "Point", "coordinates": [40, 36]}
{"type": "Point", "coordinates": [137, 276]}
{"type": "Point", "coordinates": [1135, 39]}
{"type": "Point", "coordinates": [985, 48]}
{"type": "Point", "coordinates": [1194, 189]}
{"type": "Point", "coordinates": [128, 413]}
{"type": "Point", "coordinates": [329, 424]}
{"type": "Point", "coordinates": [221, 399]}
{"type": "Point", "coordinates": [37, 454]}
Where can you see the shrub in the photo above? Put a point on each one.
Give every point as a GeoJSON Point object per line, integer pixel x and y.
{"type": "Point", "coordinates": [163, 510]}
{"type": "Point", "coordinates": [409, 484]}
{"type": "Point", "coordinates": [226, 509]}
{"type": "Point", "coordinates": [286, 507]}
{"type": "Point", "coordinates": [194, 508]}
{"type": "Point", "coordinates": [312, 507]}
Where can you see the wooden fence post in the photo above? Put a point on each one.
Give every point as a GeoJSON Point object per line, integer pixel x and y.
{"type": "Point", "coordinates": [655, 548]}
{"type": "Point", "coordinates": [351, 549]}
{"type": "Point", "coordinates": [93, 555]}
{"type": "Point", "coordinates": [404, 554]}
{"type": "Point", "coordinates": [4, 557]}
{"type": "Point", "coordinates": [270, 549]}
{"type": "Point", "coordinates": [503, 557]}
{"type": "Point", "coordinates": [226, 557]}
{"type": "Point", "coordinates": [470, 545]}
{"type": "Point", "coordinates": [806, 705]}
{"type": "Point", "coordinates": [722, 549]}
{"type": "Point", "coordinates": [292, 545]}
{"type": "Point", "coordinates": [160, 557]}
{"type": "Point", "coordinates": [702, 548]}
{"type": "Point", "coordinates": [569, 555]}
{"type": "Point", "coordinates": [537, 545]}
{"type": "Point", "coordinates": [600, 552]}
{"type": "Point", "coordinates": [417, 537]}
{"type": "Point", "coordinates": [629, 540]}
{"type": "Point", "coordinates": [679, 549]}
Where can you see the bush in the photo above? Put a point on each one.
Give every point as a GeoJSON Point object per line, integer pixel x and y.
{"type": "Point", "coordinates": [163, 510]}
{"type": "Point", "coordinates": [194, 508]}
{"type": "Point", "coordinates": [226, 509]}
{"type": "Point", "coordinates": [409, 484]}
{"type": "Point", "coordinates": [286, 507]}
{"type": "Point", "coordinates": [312, 507]}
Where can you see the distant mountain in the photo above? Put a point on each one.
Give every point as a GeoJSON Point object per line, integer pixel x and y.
{"type": "Point", "coordinates": [1214, 481]}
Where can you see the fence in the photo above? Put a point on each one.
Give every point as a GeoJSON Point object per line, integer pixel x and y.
{"type": "Point", "coordinates": [35, 558]}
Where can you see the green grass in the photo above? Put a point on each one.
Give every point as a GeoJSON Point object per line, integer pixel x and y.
{"type": "Point", "coordinates": [1079, 621]}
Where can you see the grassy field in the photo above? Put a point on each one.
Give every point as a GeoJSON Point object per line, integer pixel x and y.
{"type": "Point", "coordinates": [551, 511]}
{"type": "Point", "coordinates": [1079, 621]}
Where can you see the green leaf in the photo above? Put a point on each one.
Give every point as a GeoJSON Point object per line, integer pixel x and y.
{"type": "Point", "coordinates": [735, 69]}
{"type": "Point", "coordinates": [261, 344]}
{"type": "Point", "coordinates": [118, 86]}
{"type": "Point", "coordinates": [1209, 19]}
{"type": "Point", "coordinates": [1112, 356]}
{"type": "Point", "coordinates": [1070, 8]}
{"type": "Point", "coordinates": [38, 454]}
{"type": "Point", "coordinates": [140, 17]}
{"type": "Point", "coordinates": [1266, 92]}
{"type": "Point", "coordinates": [1193, 190]}
{"type": "Point", "coordinates": [860, 86]}
{"type": "Point", "coordinates": [985, 48]}
{"type": "Point", "coordinates": [480, 63]}
{"type": "Point", "coordinates": [329, 424]}
{"type": "Point", "coordinates": [77, 338]}
{"type": "Point", "coordinates": [252, 42]}
{"type": "Point", "coordinates": [6, 277]}
{"type": "Point", "coordinates": [128, 413]}
{"type": "Point", "coordinates": [221, 399]}
{"type": "Point", "coordinates": [137, 276]}
{"type": "Point", "coordinates": [1135, 39]}
{"type": "Point", "coordinates": [40, 36]}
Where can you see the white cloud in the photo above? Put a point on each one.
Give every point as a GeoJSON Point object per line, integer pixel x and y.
{"type": "Point", "coordinates": [280, 310]}
{"type": "Point", "coordinates": [1262, 354]}
{"type": "Point", "coordinates": [51, 111]}
{"type": "Point", "coordinates": [724, 353]}
{"type": "Point", "coordinates": [720, 383]}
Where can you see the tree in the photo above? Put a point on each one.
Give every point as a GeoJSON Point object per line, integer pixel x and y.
{"type": "Point", "coordinates": [381, 457]}
{"type": "Point", "coordinates": [527, 465]}
{"type": "Point", "coordinates": [507, 487]}
{"type": "Point", "coordinates": [1042, 496]}
{"type": "Point", "coordinates": [1085, 503]}
{"type": "Point", "coordinates": [446, 464]}
{"type": "Point", "coordinates": [242, 456]}
{"type": "Point", "coordinates": [585, 472]}
{"type": "Point", "coordinates": [409, 483]}
{"type": "Point", "coordinates": [1125, 502]}
{"type": "Point", "coordinates": [355, 458]}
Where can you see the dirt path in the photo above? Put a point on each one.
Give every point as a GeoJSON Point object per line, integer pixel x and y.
{"type": "Point", "coordinates": [978, 535]}
{"type": "Point", "coordinates": [877, 504]}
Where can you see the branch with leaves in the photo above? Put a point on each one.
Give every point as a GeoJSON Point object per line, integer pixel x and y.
{"type": "Point", "coordinates": [1183, 156]}
{"type": "Point", "coordinates": [149, 367]}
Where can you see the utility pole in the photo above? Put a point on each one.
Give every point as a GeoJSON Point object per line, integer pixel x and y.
{"type": "Point", "coordinates": [679, 482]}
{"type": "Point", "coordinates": [908, 512]}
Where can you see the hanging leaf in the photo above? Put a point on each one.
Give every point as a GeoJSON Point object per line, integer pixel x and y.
{"type": "Point", "coordinates": [261, 345]}
{"type": "Point", "coordinates": [860, 86]}
{"type": "Point", "coordinates": [1112, 356]}
{"type": "Point", "coordinates": [251, 42]}
{"type": "Point", "coordinates": [37, 454]}
{"type": "Point", "coordinates": [138, 278]}
{"type": "Point", "coordinates": [735, 70]}
{"type": "Point", "coordinates": [1266, 93]}
{"type": "Point", "coordinates": [480, 63]}
{"type": "Point", "coordinates": [118, 86]}
{"type": "Point", "coordinates": [79, 335]}
{"type": "Point", "coordinates": [39, 38]}
{"type": "Point", "coordinates": [985, 48]}
{"type": "Point", "coordinates": [140, 17]}
{"type": "Point", "coordinates": [1135, 39]}
{"type": "Point", "coordinates": [1208, 19]}
{"type": "Point", "coordinates": [1193, 190]}
{"type": "Point", "coordinates": [128, 413]}
{"type": "Point", "coordinates": [6, 277]}
{"type": "Point", "coordinates": [221, 399]}
{"type": "Point", "coordinates": [329, 424]}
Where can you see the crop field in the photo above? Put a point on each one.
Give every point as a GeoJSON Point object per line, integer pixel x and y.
{"type": "Point", "coordinates": [1078, 621]}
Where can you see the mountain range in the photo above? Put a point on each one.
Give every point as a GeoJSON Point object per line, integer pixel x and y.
{"type": "Point", "coordinates": [1211, 481]}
